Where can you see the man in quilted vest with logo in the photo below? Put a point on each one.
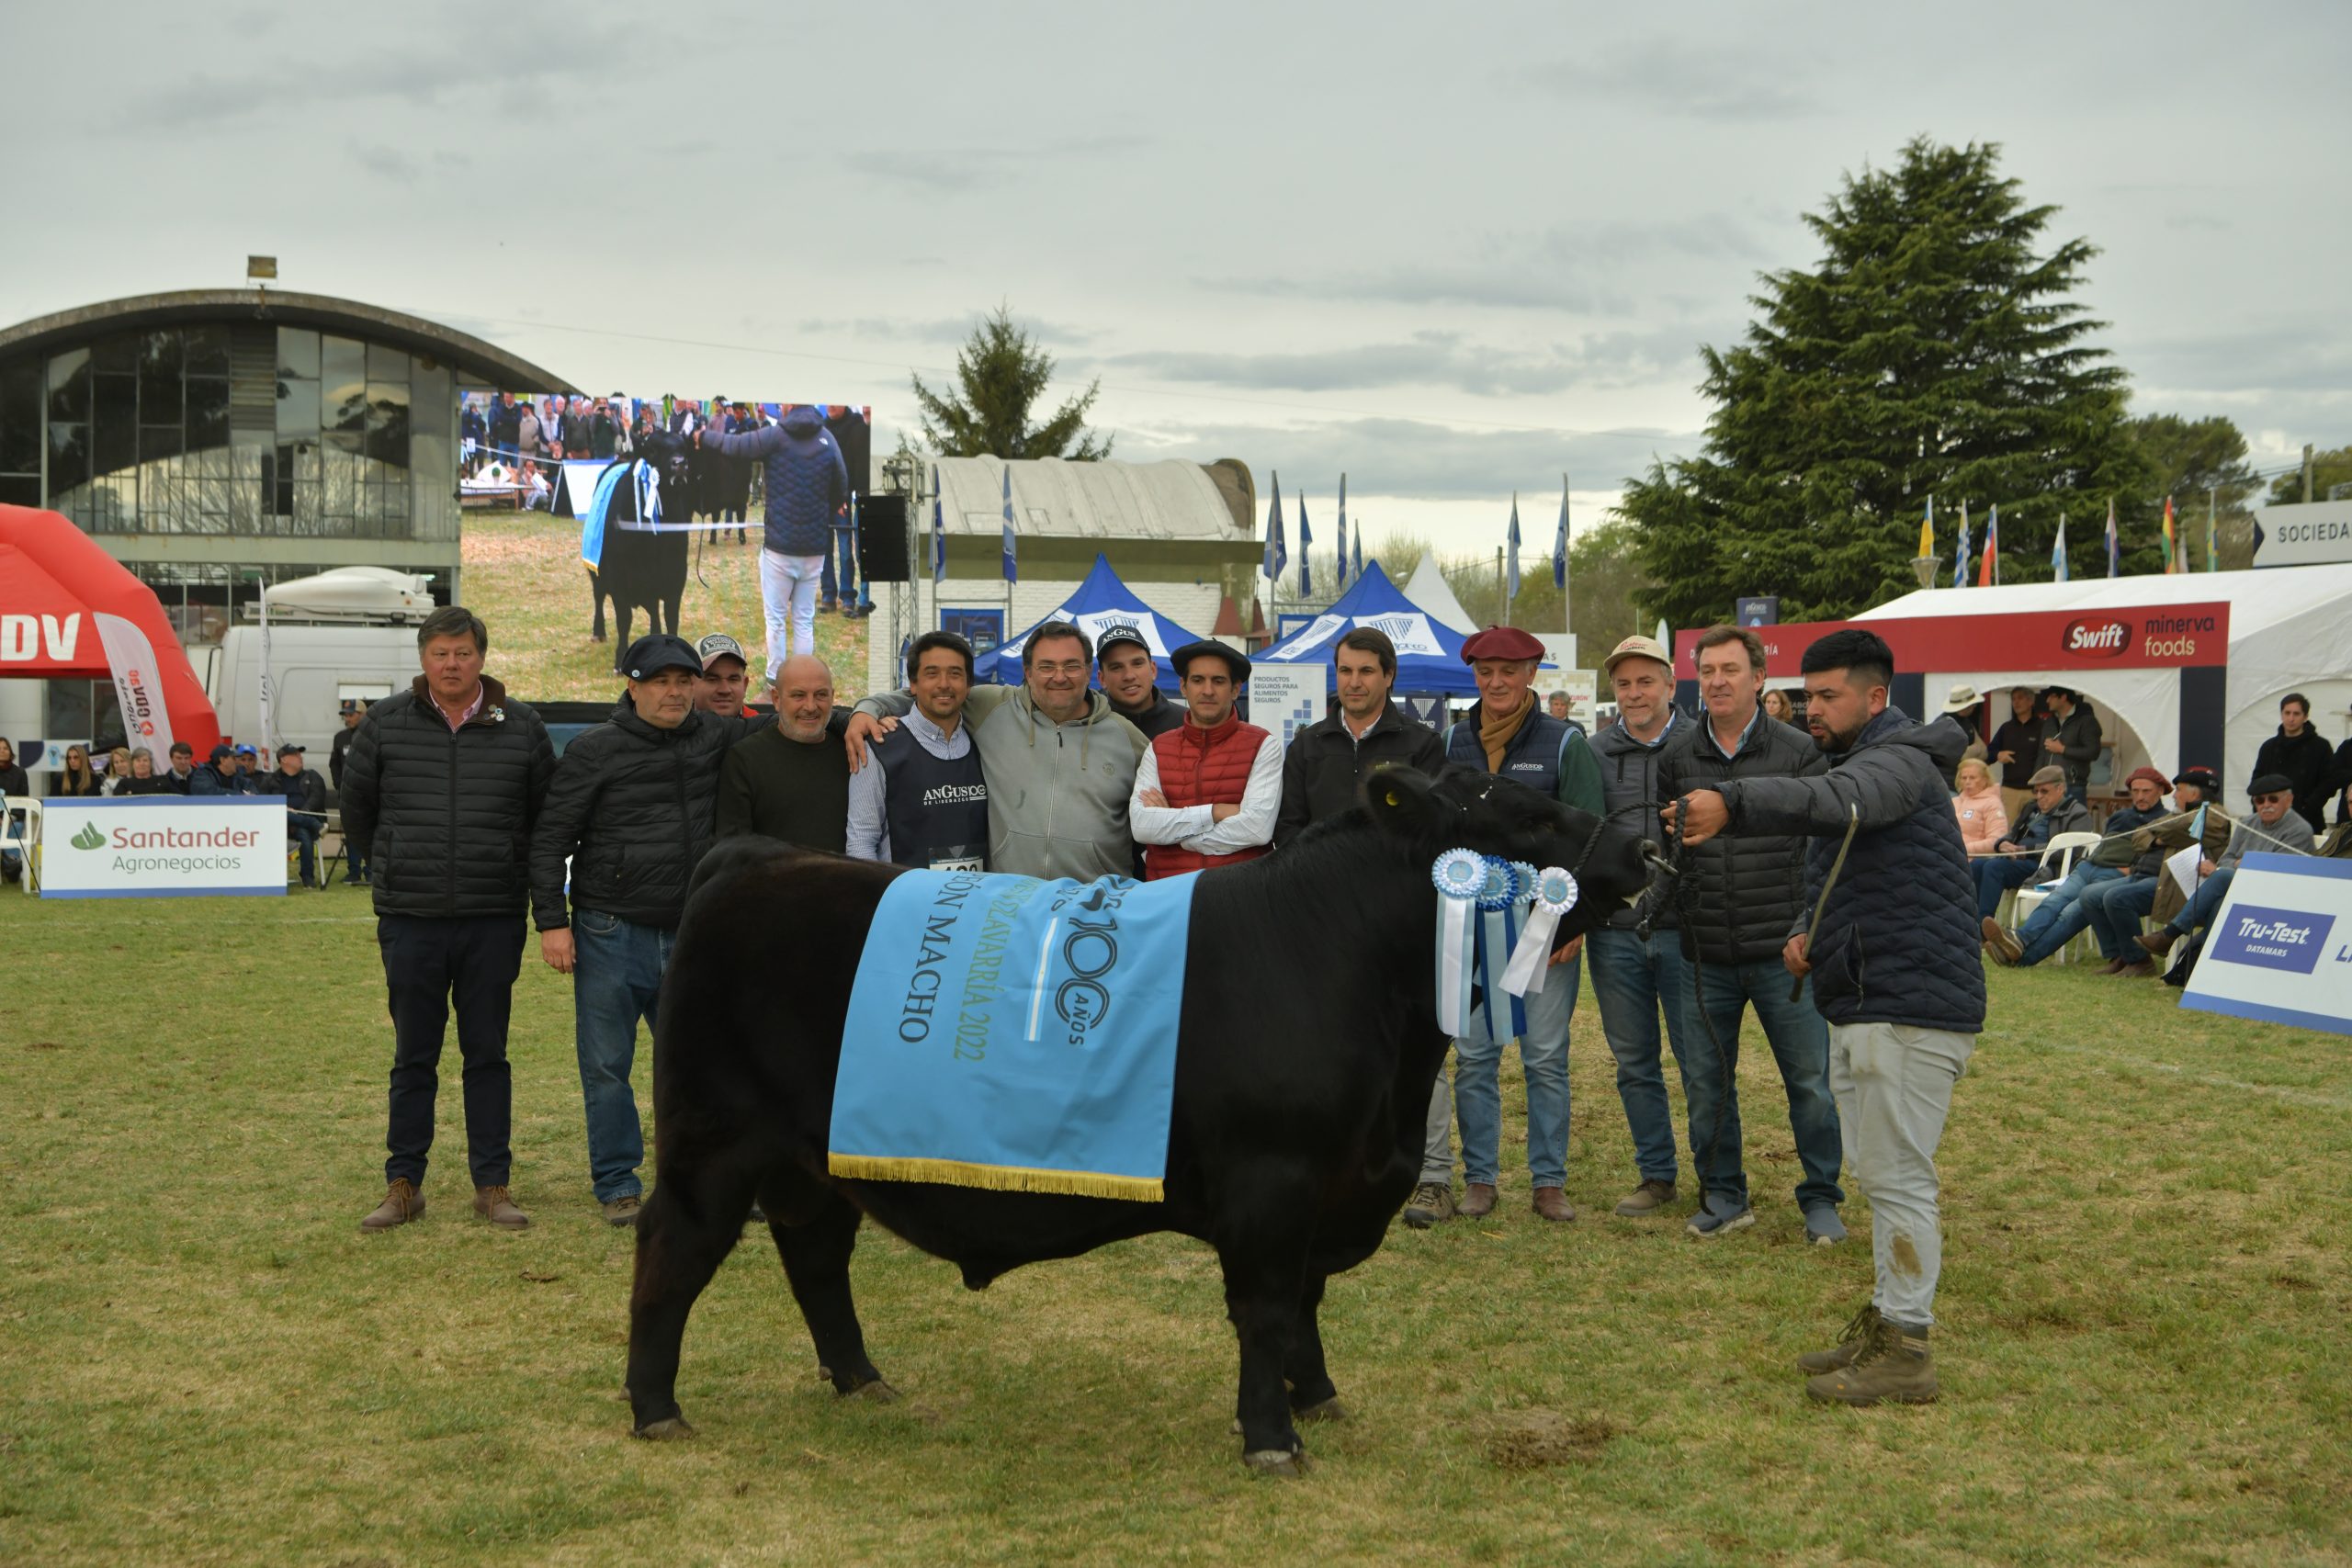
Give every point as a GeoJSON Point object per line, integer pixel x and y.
{"type": "Point", "coordinates": [1206, 792]}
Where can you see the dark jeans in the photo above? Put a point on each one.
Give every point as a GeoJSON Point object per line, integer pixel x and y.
{"type": "Point", "coordinates": [2116, 910]}
{"type": "Point", "coordinates": [844, 545]}
{"type": "Point", "coordinates": [304, 833]}
{"type": "Point", "coordinates": [1996, 876]}
{"type": "Point", "coordinates": [428, 965]}
{"type": "Point", "coordinates": [1800, 1041]}
{"type": "Point", "coordinates": [616, 981]}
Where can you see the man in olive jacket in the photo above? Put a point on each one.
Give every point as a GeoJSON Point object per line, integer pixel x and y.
{"type": "Point", "coordinates": [633, 805]}
{"type": "Point", "coordinates": [1745, 891]}
{"type": "Point", "coordinates": [1892, 950]}
{"type": "Point", "coordinates": [440, 791]}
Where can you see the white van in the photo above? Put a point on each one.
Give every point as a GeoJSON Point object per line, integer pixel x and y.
{"type": "Point", "coordinates": [345, 635]}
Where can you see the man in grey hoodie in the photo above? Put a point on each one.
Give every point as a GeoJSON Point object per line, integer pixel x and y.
{"type": "Point", "coordinates": [1059, 765]}
{"type": "Point", "coordinates": [806, 481]}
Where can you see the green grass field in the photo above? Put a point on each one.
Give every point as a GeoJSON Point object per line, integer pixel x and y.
{"type": "Point", "coordinates": [2143, 1348]}
{"type": "Point", "coordinates": [522, 576]}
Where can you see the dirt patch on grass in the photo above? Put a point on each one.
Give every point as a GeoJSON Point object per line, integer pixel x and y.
{"type": "Point", "coordinates": [1538, 1439]}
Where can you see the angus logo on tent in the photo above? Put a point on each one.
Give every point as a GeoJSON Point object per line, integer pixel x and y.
{"type": "Point", "coordinates": [2098, 637]}
{"type": "Point", "coordinates": [89, 838]}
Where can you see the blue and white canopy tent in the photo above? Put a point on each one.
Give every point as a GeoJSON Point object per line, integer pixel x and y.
{"type": "Point", "coordinates": [1099, 602]}
{"type": "Point", "coordinates": [1428, 652]}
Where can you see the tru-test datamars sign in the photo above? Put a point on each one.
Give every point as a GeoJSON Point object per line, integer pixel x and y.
{"type": "Point", "coordinates": [163, 847]}
{"type": "Point", "coordinates": [2281, 947]}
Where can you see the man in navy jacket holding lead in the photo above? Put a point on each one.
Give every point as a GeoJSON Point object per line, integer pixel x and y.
{"type": "Point", "coordinates": [1895, 970]}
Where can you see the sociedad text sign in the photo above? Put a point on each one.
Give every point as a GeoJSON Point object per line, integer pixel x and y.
{"type": "Point", "coordinates": [163, 847]}
{"type": "Point", "coordinates": [2281, 948]}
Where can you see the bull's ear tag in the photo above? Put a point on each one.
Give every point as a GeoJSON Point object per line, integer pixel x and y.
{"type": "Point", "coordinates": [1392, 798]}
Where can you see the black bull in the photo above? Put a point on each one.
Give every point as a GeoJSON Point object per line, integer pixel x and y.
{"type": "Point", "coordinates": [646, 570]}
{"type": "Point", "coordinates": [1306, 1056]}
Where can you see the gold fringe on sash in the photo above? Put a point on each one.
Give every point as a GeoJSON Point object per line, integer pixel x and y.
{"type": "Point", "coordinates": [995, 1178]}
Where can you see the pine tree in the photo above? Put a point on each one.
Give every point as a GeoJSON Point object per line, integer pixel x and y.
{"type": "Point", "coordinates": [1933, 351]}
{"type": "Point", "coordinates": [999, 376]}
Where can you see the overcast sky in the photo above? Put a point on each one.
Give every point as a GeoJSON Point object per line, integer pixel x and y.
{"type": "Point", "coordinates": [1450, 253]}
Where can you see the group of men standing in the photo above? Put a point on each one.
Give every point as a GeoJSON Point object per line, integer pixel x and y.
{"type": "Point", "coordinates": [453, 793]}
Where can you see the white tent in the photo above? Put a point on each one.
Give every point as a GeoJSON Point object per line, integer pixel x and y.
{"type": "Point", "coordinates": [1427, 588]}
{"type": "Point", "coordinates": [2290, 630]}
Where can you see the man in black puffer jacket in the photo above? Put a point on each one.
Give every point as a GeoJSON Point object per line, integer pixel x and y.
{"type": "Point", "coordinates": [440, 790]}
{"type": "Point", "coordinates": [634, 805]}
{"type": "Point", "coordinates": [1895, 972]}
{"type": "Point", "coordinates": [1745, 893]}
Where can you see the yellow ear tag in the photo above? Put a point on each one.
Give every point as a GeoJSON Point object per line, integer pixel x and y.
{"type": "Point", "coordinates": [1392, 798]}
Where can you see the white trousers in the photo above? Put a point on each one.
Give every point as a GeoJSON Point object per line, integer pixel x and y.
{"type": "Point", "coordinates": [789, 593]}
{"type": "Point", "coordinates": [1894, 1087]}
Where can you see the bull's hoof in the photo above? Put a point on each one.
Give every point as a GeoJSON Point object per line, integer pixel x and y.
{"type": "Point", "coordinates": [595, 637]}
{"type": "Point", "coordinates": [1288, 1464]}
{"type": "Point", "coordinates": [1326, 1410]}
{"type": "Point", "coordinates": [875, 1392]}
{"type": "Point", "coordinates": [667, 1430]}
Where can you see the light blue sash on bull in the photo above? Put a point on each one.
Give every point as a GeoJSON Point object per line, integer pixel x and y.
{"type": "Point", "coordinates": [1014, 1033]}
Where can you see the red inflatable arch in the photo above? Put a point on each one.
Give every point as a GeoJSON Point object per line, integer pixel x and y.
{"type": "Point", "coordinates": [69, 609]}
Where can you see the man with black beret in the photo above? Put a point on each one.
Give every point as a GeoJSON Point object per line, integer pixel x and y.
{"type": "Point", "coordinates": [633, 806]}
{"type": "Point", "coordinates": [1206, 792]}
{"type": "Point", "coordinates": [2276, 827]}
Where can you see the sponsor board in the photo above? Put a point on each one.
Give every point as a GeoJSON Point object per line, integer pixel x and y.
{"type": "Point", "coordinates": [1287, 698]}
{"type": "Point", "coordinates": [2168, 637]}
{"type": "Point", "coordinates": [2281, 949]}
{"type": "Point", "coordinates": [163, 847]}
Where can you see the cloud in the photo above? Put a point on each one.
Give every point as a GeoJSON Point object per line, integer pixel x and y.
{"type": "Point", "coordinates": [390, 163]}
{"type": "Point", "coordinates": [1417, 459]}
{"type": "Point", "coordinates": [948, 171]}
{"type": "Point", "coordinates": [1051, 335]}
{"type": "Point", "coordinates": [1682, 77]}
{"type": "Point", "coordinates": [2304, 357]}
{"type": "Point", "coordinates": [1431, 359]}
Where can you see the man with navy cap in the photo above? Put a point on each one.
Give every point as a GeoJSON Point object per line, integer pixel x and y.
{"type": "Point", "coordinates": [1510, 735]}
{"type": "Point", "coordinates": [1130, 678]}
{"type": "Point", "coordinates": [633, 806]}
{"type": "Point", "coordinates": [1207, 793]}
{"type": "Point", "coordinates": [220, 776]}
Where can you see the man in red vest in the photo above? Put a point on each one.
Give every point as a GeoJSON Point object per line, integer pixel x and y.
{"type": "Point", "coordinates": [1207, 791]}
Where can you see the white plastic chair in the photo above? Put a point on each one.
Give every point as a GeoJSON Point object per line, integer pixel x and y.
{"type": "Point", "coordinates": [2069, 848]}
{"type": "Point", "coordinates": [24, 840]}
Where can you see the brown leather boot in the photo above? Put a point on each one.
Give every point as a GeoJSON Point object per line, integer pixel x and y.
{"type": "Point", "coordinates": [1553, 1204]}
{"type": "Point", "coordinates": [1478, 1200]}
{"type": "Point", "coordinates": [402, 1203]}
{"type": "Point", "coordinates": [492, 1204]}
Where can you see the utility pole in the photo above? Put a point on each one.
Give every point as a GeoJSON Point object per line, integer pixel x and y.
{"type": "Point", "coordinates": [2306, 473]}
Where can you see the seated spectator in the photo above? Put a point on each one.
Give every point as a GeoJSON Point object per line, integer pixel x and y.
{"type": "Point", "coordinates": [2299, 754]}
{"type": "Point", "coordinates": [306, 806]}
{"type": "Point", "coordinates": [2064, 914]}
{"type": "Point", "coordinates": [144, 779]}
{"type": "Point", "coordinates": [77, 779]}
{"type": "Point", "coordinates": [183, 770]}
{"type": "Point", "coordinates": [117, 774]}
{"type": "Point", "coordinates": [249, 764]}
{"type": "Point", "coordinates": [13, 782]}
{"type": "Point", "coordinates": [2276, 827]}
{"type": "Point", "coordinates": [2016, 855]}
{"type": "Point", "coordinates": [1983, 818]}
{"type": "Point", "coordinates": [2117, 909]}
{"type": "Point", "coordinates": [220, 776]}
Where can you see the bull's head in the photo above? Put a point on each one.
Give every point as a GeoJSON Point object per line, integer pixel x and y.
{"type": "Point", "coordinates": [1466, 809]}
{"type": "Point", "coordinates": [669, 453]}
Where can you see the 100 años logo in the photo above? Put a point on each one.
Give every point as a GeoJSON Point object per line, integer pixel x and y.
{"type": "Point", "coordinates": [1089, 951]}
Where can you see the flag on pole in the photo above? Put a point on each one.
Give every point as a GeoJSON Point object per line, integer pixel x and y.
{"type": "Point", "coordinates": [1959, 561]}
{"type": "Point", "coordinates": [1305, 551]}
{"type": "Point", "coordinates": [1342, 574]}
{"type": "Point", "coordinates": [1012, 567]}
{"type": "Point", "coordinates": [1277, 554]}
{"type": "Point", "coordinates": [1560, 541]}
{"type": "Point", "coordinates": [938, 531]}
{"type": "Point", "coordinates": [2058, 552]}
{"type": "Point", "coordinates": [2213, 535]}
{"type": "Point", "coordinates": [1511, 582]}
{"type": "Point", "coordinates": [2172, 540]}
{"type": "Point", "coordinates": [2114, 550]}
{"type": "Point", "coordinates": [1988, 570]}
{"type": "Point", "coordinates": [1928, 530]}
{"type": "Point", "coordinates": [1355, 561]}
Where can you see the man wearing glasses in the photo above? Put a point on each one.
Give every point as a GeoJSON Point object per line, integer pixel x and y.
{"type": "Point", "coordinates": [2277, 827]}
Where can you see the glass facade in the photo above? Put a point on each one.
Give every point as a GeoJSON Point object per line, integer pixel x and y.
{"type": "Point", "coordinates": [239, 429]}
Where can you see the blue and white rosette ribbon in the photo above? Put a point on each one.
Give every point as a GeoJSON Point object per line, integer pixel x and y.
{"type": "Point", "coordinates": [1506, 886]}
{"type": "Point", "coordinates": [1554, 892]}
{"type": "Point", "coordinates": [1459, 875]}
